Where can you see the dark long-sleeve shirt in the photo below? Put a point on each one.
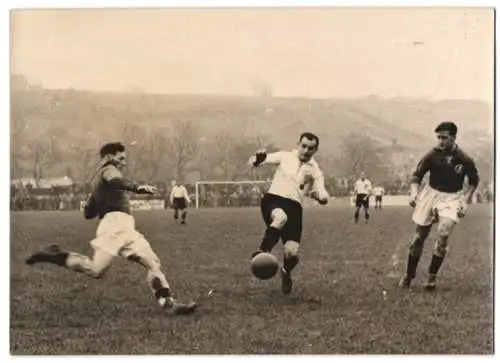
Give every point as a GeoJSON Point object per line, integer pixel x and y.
{"type": "Point", "coordinates": [448, 169]}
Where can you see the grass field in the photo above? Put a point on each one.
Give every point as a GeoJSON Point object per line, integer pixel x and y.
{"type": "Point", "coordinates": [337, 306]}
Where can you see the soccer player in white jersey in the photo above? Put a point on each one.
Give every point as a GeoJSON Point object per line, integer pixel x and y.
{"type": "Point", "coordinates": [379, 193]}
{"type": "Point", "coordinates": [442, 201]}
{"type": "Point", "coordinates": [297, 174]}
{"type": "Point", "coordinates": [362, 191]}
{"type": "Point", "coordinates": [116, 233]}
{"type": "Point", "coordinates": [179, 199]}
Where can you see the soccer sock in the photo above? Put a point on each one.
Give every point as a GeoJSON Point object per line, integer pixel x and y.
{"type": "Point", "coordinates": [436, 262]}
{"type": "Point", "coordinates": [160, 289]}
{"type": "Point", "coordinates": [411, 267]}
{"type": "Point", "coordinates": [184, 215]}
{"type": "Point", "coordinates": [367, 215]}
{"type": "Point", "coordinates": [271, 237]}
{"type": "Point", "coordinates": [290, 262]}
{"type": "Point", "coordinates": [176, 214]}
{"type": "Point", "coordinates": [59, 259]}
{"type": "Point", "coordinates": [356, 214]}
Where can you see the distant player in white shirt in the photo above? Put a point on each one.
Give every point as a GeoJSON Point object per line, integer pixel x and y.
{"type": "Point", "coordinates": [362, 190]}
{"type": "Point", "coordinates": [297, 175]}
{"type": "Point", "coordinates": [179, 199]}
{"type": "Point", "coordinates": [379, 193]}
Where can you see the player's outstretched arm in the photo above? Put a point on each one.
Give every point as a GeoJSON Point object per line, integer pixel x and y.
{"type": "Point", "coordinates": [261, 157]}
{"type": "Point", "coordinates": [116, 180]}
{"type": "Point", "coordinates": [320, 194]}
{"type": "Point", "coordinates": [473, 177]}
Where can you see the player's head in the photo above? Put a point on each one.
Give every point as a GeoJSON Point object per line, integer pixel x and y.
{"type": "Point", "coordinates": [446, 133]}
{"type": "Point", "coordinates": [114, 153]}
{"type": "Point", "coordinates": [308, 145]}
{"type": "Point", "coordinates": [173, 183]}
{"type": "Point", "coordinates": [362, 175]}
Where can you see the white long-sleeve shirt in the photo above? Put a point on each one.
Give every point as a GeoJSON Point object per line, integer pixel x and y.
{"type": "Point", "coordinates": [293, 178]}
{"type": "Point", "coordinates": [179, 191]}
{"type": "Point", "coordinates": [362, 186]}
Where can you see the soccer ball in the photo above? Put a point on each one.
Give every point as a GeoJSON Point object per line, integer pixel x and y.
{"type": "Point", "coordinates": [264, 265]}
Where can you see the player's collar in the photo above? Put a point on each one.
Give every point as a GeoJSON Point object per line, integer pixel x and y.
{"type": "Point", "coordinates": [453, 148]}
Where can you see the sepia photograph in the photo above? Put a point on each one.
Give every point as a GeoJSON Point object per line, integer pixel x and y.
{"type": "Point", "coordinates": [252, 181]}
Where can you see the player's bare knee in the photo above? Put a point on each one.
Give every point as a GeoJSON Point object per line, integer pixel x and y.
{"type": "Point", "coordinates": [441, 247]}
{"type": "Point", "coordinates": [291, 249]}
{"type": "Point", "coordinates": [279, 218]}
{"type": "Point", "coordinates": [445, 227]}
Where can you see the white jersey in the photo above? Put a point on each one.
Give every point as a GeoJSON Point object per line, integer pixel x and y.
{"type": "Point", "coordinates": [294, 178]}
{"type": "Point", "coordinates": [362, 186]}
{"type": "Point", "coordinates": [179, 191]}
{"type": "Point", "coordinates": [378, 191]}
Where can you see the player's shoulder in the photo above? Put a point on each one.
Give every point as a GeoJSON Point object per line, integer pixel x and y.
{"type": "Point", "coordinates": [462, 154]}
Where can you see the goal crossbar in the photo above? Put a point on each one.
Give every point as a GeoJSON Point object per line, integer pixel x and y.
{"type": "Point", "coordinates": [222, 182]}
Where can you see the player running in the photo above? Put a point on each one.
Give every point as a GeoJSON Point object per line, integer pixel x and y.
{"type": "Point", "coordinates": [116, 233]}
{"type": "Point", "coordinates": [179, 199]}
{"type": "Point", "coordinates": [379, 193]}
{"type": "Point", "coordinates": [362, 190]}
{"type": "Point", "coordinates": [297, 174]}
{"type": "Point", "coordinates": [443, 200]}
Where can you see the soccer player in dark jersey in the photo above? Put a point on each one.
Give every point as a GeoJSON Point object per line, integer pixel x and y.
{"type": "Point", "coordinates": [442, 201]}
{"type": "Point", "coordinates": [116, 233]}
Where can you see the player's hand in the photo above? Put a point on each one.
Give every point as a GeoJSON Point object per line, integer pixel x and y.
{"type": "Point", "coordinates": [413, 201]}
{"type": "Point", "coordinates": [320, 199]}
{"type": "Point", "coordinates": [146, 189]}
{"type": "Point", "coordinates": [259, 157]}
{"type": "Point", "coordinates": [462, 209]}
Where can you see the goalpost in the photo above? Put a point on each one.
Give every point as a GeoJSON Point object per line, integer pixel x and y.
{"type": "Point", "coordinates": [218, 182]}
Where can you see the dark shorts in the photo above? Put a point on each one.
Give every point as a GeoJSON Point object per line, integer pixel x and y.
{"type": "Point", "coordinates": [361, 201]}
{"type": "Point", "coordinates": [292, 231]}
{"type": "Point", "coordinates": [378, 198]}
{"type": "Point", "coordinates": [179, 203]}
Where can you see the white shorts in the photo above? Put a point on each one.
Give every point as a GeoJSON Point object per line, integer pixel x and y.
{"type": "Point", "coordinates": [116, 234]}
{"type": "Point", "coordinates": [432, 203]}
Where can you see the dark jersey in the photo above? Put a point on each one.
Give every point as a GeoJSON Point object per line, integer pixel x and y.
{"type": "Point", "coordinates": [448, 169]}
{"type": "Point", "coordinates": [105, 197]}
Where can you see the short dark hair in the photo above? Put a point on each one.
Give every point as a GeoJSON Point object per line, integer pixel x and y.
{"type": "Point", "coordinates": [447, 126]}
{"type": "Point", "coordinates": [310, 136]}
{"type": "Point", "coordinates": [111, 148]}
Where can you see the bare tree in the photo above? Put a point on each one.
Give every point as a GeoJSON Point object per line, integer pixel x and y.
{"type": "Point", "coordinates": [359, 154]}
{"type": "Point", "coordinates": [182, 148]}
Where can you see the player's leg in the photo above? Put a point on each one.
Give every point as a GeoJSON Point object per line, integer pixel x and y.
{"type": "Point", "coordinates": [291, 235]}
{"type": "Point", "coordinates": [444, 230]}
{"type": "Point", "coordinates": [366, 207]}
{"type": "Point", "coordinates": [423, 218]}
{"type": "Point", "coordinates": [183, 212]}
{"type": "Point", "coordinates": [358, 207]}
{"type": "Point", "coordinates": [446, 211]}
{"type": "Point", "coordinates": [415, 253]}
{"type": "Point", "coordinates": [275, 219]}
{"type": "Point", "coordinates": [176, 211]}
{"type": "Point", "coordinates": [95, 267]}
{"type": "Point", "coordinates": [140, 251]}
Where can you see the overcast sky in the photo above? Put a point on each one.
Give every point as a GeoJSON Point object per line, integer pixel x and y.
{"type": "Point", "coordinates": [425, 53]}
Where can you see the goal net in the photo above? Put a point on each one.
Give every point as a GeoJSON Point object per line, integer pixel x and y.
{"type": "Point", "coordinates": [229, 194]}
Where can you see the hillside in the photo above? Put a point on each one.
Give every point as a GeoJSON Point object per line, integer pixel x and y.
{"type": "Point", "coordinates": [410, 122]}
{"type": "Point", "coordinates": [90, 118]}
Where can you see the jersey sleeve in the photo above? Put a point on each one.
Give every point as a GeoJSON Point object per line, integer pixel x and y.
{"type": "Point", "coordinates": [319, 182]}
{"type": "Point", "coordinates": [111, 172]}
{"type": "Point", "coordinates": [423, 167]}
{"type": "Point", "coordinates": [271, 159]}
{"type": "Point", "coordinates": [471, 172]}
{"type": "Point", "coordinates": [274, 158]}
